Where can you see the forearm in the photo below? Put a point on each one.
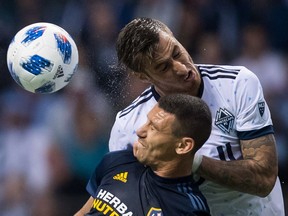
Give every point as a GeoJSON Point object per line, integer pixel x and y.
{"type": "Point", "coordinates": [236, 175]}
{"type": "Point", "coordinates": [79, 213]}
{"type": "Point", "coordinates": [255, 174]}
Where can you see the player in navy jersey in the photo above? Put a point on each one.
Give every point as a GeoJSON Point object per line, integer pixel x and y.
{"type": "Point", "coordinates": [156, 177]}
{"type": "Point", "coordinates": [238, 163]}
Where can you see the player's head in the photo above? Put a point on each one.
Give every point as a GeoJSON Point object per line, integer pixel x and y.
{"type": "Point", "coordinates": [137, 43]}
{"type": "Point", "coordinates": [177, 126]}
{"type": "Point", "coordinates": [192, 117]}
{"type": "Point", "coordinates": [148, 48]}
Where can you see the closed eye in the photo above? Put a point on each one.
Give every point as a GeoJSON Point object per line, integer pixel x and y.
{"type": "Point", "coordinates": [176, 55]}
{"type": "Point", "coordinates": [152, 127]}
{"type": "Point", "coordinates": [164, 67]}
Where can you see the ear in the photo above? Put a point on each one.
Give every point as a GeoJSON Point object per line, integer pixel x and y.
{"type": "Point", "coordinates": [185, 145]}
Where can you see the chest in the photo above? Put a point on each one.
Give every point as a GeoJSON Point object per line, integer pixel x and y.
{"type": "Point", "coordinates": [121, 192]}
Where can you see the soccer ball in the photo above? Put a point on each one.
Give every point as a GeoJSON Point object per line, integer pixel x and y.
{"type": "Point", "coordinates": [42, 58]}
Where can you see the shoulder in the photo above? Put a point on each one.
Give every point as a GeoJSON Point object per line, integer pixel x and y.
{"type": "Point", "coordinates": [145, 99]}
{"type": "Point", "coordinates": [214, 72]}
{"type": "Point", "coordinates": [230, 78]}
{"type": "Point", "coordinates": [116, 158]}
{"type": "Point", "coordinates": [112, 160]}
{"type": "Point", "coordinates": [131, 118]}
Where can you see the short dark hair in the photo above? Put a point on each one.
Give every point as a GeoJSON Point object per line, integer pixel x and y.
{"type": "Point", "coordinates": [193, 117]}
{"type": "Point", "coordinates": [137, 42]}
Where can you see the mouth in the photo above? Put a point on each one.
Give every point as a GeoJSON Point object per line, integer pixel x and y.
{"type": "Point", "coordinates": [139, 143]}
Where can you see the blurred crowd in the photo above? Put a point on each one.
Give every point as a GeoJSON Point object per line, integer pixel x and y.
{"type": "Point", "coordinates": [50, 144]}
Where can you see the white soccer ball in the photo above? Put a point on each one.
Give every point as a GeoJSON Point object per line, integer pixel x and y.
{"type": "Point", "coordinates": [42, 58]}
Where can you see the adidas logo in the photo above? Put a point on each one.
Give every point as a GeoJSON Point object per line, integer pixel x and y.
{"type": "Point", "coordinates": [121, 177]}
{"type": "Point", "coordinates": [59, 72]}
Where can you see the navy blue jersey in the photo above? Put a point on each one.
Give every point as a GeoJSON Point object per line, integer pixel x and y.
{"type": "Point", "coordinates": [121, 185]}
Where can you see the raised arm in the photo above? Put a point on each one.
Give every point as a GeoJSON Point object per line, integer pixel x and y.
{"type": "Point", "coordinates": [255, 174]}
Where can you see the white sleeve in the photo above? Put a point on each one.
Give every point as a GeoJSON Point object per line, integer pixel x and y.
{"type": "Point", "coordinates": [253, 112]}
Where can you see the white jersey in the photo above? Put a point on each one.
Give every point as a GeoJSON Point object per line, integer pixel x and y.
{"type": "Point", "coordinates": [239, 112]}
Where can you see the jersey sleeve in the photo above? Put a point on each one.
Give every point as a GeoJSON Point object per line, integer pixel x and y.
{"type": "Point", "coordinates": [96, 177]}
{"type": "Point", "coordinates": [253, 114]}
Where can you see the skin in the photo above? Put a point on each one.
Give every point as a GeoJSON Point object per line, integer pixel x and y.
{"type": "Point", "coordinates": [159, 149]}
{"type": "Point", "coordinates": [173, 71]}
{"type": "Point", "coordinates": [255, 174]}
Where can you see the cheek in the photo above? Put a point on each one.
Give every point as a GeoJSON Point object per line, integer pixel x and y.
{"type": "Point", "coordinates": [138, 150]}
{"type": "Point", "coordinates": [160, 152]}
{"type": "Point", "coordinates": [159, 148]}
{"type": "Point", "coordinates": [142, 154]}
{"type": "Point", "coordinates": [163, 78]}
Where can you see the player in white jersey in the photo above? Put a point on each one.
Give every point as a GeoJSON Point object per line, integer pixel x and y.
{"type": "Point", "coordinates": [238, 164]}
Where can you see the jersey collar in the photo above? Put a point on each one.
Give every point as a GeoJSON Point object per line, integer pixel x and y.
{"type": "Point", "coordinates": [201, 87]}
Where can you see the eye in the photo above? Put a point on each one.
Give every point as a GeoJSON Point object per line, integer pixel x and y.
{"type": "Point", "coordinates": [176, 54]}
{"type": "Point", "coordinates": [164, 67]}
{"type": "Point", "coordinates": [152, 127]}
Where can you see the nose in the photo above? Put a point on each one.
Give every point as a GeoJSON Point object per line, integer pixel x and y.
{"type": "Point", "coordinates": [179, 68]}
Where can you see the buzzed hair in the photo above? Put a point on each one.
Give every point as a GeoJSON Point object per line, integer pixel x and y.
{"type": "Point", "coordinates": [137, 42]}
{"type": "Point", "coordinates": [193, 117]}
